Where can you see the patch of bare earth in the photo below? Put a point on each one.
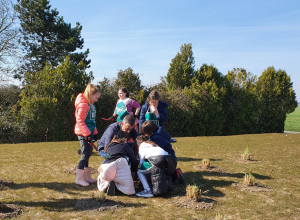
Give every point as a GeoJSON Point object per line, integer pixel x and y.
{"type": "Point", "coordinates": [4, 183]}
{"type": "Point", "coordinates": [9, 210]}
{"type": "Point", "coordinates": [249, 161]}
{"type": "Point", "coordinates": [209, 169]}
{"type": "Point", "coordinates": [203, 203]}
{"type": "Point", "coordinates": [92, 204]}
{"type": "Point", "coordinates": [255, 188]}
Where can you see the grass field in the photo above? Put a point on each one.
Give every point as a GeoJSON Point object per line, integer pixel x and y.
{"type": "Point", "coordinates": [45, 191]}
{"type": "Point", "coordinates": [292, 122]}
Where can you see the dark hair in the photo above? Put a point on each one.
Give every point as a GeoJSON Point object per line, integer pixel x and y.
{"type": "Point", "coordinates": [141, 139]}
{"type": "Point", "coordinates": [129, 119]}
{"type": "Point", "coordinates": [149, 128]}
{"type": "Point", "coordinates": [153, 96]}
{"type": "Point", "coordinates": [124, 90]}
{"type": "Point", "coordinates": [116, 139]}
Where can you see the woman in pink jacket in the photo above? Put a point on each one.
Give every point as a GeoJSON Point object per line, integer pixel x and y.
{"type": "Point", "coordinates": [85, 129]}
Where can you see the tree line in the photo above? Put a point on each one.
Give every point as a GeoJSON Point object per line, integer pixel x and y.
{"type": "Point", "coordinates": [202, 101]}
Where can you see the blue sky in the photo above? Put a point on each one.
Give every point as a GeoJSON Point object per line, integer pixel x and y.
{"type": "Point", "coordinates": [146, 35]}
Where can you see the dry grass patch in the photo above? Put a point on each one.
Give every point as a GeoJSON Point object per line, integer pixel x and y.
{"type": "Point", "coordinates": [44, 191]}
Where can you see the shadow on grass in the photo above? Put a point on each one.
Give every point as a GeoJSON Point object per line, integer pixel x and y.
{"type": "Point", "coordinates": [235, 175]}
{"type": "Point", "coordinates": [60, 187]}
{"type": "Point", "coordinates": [63, 205]}
{"type": "Point", "coordinates": [192, 178]}
{"type": "Point", "coordinates": [187, 159]}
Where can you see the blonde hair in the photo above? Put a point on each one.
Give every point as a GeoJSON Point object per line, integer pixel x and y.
{"type": "Point", "coordinates": [90, 90]}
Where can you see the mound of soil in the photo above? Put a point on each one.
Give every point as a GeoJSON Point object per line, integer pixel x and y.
{"type": "Point", "coordinates": [255, 188]}
{"type": "Point", "coordinates": [9, 210]}
{"type": "Point", "coordinates": [204, 203]}
{"type": "Point", "coordinates": [209, 169]}
{"type": "Point", "coordinates": [92, 204]}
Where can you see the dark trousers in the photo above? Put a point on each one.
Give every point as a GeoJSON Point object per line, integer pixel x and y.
{"type": "Point", "coordinates": [86, 152]}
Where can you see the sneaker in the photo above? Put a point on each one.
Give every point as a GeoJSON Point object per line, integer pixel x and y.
{"type": "Point", "coordinates": [180, 175]}
{"type": "Point", "coordinates": [145, 193]}
{"type": "Point", "coordinates": [172, 140]}
{"type": "Point", "coordinates": [111, 188]}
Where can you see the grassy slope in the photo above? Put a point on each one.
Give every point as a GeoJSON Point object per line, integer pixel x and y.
{"type": "Point", "coordinates": [292, 122]}
{"type": "Point", "coordinates": [46, 192]}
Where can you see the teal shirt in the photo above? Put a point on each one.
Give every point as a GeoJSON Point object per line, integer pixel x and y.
{"type": "Point", "coordinates": [90, 119]}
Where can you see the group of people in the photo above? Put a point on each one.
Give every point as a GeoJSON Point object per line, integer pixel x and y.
{"type": "Point", "coordinates": [127, 150]}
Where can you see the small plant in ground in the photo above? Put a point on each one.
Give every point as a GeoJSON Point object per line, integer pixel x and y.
{"type": "Point", "coordinates": [249, 179]}
{"type": "Point", "coordinates": [205, 163]}
{"type": "Point", "coordinates": [219, 216]}
{"type": "Point", "coordinates": [246, 154]}
{"type": "Point", "coordinates": [193, 192]}
{"type": "Point", "coordinates": [99, 196]}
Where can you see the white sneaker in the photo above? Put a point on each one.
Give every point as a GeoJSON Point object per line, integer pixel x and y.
{"type": "Point", "coordinates": [145, 193]}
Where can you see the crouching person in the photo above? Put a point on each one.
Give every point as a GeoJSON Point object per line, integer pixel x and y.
{"type": "Point", "coordinates": [116, 169]}
{"type": "Point", "coordinates": [157, 162]}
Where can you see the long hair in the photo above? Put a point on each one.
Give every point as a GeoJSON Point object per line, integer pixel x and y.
{"type": "Point", "coordinates": [149, 128]}
{"type": "Point", "coordinates": [90, 90]}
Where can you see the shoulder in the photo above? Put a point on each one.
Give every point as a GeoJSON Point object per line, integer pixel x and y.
{"type": "Point", "coordinates": [163, 104]}
{"type": "Point", "coordinates": [81, 100]}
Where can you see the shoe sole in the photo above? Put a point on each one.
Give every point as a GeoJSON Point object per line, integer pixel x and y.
{"type": "Point", "coordinates": [147, 196]}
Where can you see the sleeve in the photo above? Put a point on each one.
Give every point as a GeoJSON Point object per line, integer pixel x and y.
{"type": "Point", "coordinates": [134, 104]}
{"type": "Point", "coordinates": [82, 110]}
{"type": "Point", "coordinates": [133, 134]}
{"type": "Point", "coordinates": [142, 115]}
{"type": "Point", "coordinates": [163, 115]}
{"type": "Point", "coordinates": [164, 144]}
{"type": "Point", "coordinates": [132, 158]}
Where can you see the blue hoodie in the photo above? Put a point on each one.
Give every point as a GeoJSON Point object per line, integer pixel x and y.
{"type": "Point", "coordinates": [162, 110]}
{"type": "Point", "coordinates": [161, 137]}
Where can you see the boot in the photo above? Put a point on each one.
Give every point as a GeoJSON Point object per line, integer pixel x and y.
{"type": "Point", "coordinates": [80, 174]}
{"type": "Point", "coordinates": [87, 176]}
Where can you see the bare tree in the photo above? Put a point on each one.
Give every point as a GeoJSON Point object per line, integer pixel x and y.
{"type": "Point", "coordinates": [8, 39]}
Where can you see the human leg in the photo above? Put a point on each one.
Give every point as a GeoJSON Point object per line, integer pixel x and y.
{"type": "Point", "coordinates": [85, 155]}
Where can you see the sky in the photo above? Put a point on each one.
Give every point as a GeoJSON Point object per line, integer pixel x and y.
{"type": "Point", "coordinates": [146, 35]}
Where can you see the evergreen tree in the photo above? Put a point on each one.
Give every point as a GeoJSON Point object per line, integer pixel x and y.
{"type": "Point", "coordinates": [240, 103]}
{"type": "Point", "coordinates": [46, 37]}
{"type": "Point", "coordinates": [130, 80]}
{"type": "Point", "coordinates": [277, 98]}
{"type": "Point", "coordinates": [181, 69]}
{"type": "Point", "coordinates": [47, 105]}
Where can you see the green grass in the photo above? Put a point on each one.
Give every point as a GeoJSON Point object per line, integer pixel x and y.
{"type": "Point", "coordinates": [292, 122]}
{"type": "Point", "coordinates": [44, 191]}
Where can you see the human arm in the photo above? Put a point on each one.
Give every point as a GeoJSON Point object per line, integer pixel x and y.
{"type": "Point", "coordinates": [81, 113]}
{"type": "Point", "coordinates": [142, 115]}
{"type": "Point", "coordinates": [163, 143]}
{"type": "Point", "coordinates": [132, 158]}
{"type": "Point", "coordinates": [163, 114]}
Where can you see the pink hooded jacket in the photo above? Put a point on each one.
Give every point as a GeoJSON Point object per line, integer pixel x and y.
{"type": "Point", "coordinates": [81, 109]}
